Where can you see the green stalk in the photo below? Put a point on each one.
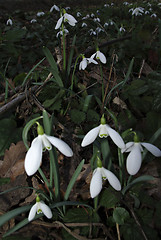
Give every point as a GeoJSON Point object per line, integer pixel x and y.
{"type": "Point", "coordinates": [64, 49]}
{"type": "Point", "coordinates": [54, 172]}
{"type": "Point", "coordinates": [121, 165]}
{"type": "Point", "coordinates": [101, 72]}
{"type": "Point", "coordinates": [72, 81]}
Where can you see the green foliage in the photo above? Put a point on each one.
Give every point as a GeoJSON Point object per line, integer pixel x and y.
{"type": "Point", "coordinates": [109, 198]}
{"type": "Point", "coordinates": [120, 215]}
{"type": "Point", "coordinates": [77, 116]}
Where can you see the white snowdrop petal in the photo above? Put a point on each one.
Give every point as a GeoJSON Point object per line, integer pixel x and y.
{"type": "Point", "coordinates": [90, 136]}
{"type": "Point", "coordinates": [84, 63]}
{"type": "Point", "coordinates": [133, 162]}
{"type": "Point", "coordinates": [101, 57]}
{"type": "Point", "coordinates": [32, 212]}
{"type": "Point", "coordinates": [96, 183]}
{"type": "Point", "coordinates": [113, 180]}
{"type": "Point", "coordinates": [128, 147]}
{"type": "Point", "coordinates": [34, 156]}
{"type": "Point", "coordinates": [60, 145]}
{"type": "Point", "coordinates": [59, 22]}
{"type": "Point", "coordinates": [71, 20]}
{"type": "Point", "coordinates": [115, 136]}
{"type": "Point", "coordinates": [153, 149]}
{"type": "Point", "coordinates": [46, 210]}
{"type": "Point", "coordinates": [46, 143]}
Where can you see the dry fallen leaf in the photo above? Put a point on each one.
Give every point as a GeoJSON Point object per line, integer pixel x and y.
{"type": "Point", "coordinates": [13, 159]}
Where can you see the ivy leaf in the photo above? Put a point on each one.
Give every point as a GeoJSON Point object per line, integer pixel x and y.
{"type": "Point", "coordinates": [120, 215]}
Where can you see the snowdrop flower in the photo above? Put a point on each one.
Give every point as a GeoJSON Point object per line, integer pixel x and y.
{"type": "Point", "coordinates": [92, 15]}
{"type": "Point", "coordinates": [134, 159]}
{"type": "Point", "coordinates": [40, 14]}
{"type": "Point", "coordinates": [78, 14]}
{"type": "Point", "coordinates": [99, 55]}
{"type": "Point", "coordinates": [106, 5]}
{"type": "Point", "coordinates": [96, 19]}
{"type": "Point", "coordinates": [54, 7]}
{"type": "Point", "coordinates": [83, 63]}
{"type": "Point", "coordinates": [153, 15]}
{"type": "Point", "coordinates": [92, 32]}
{"type": "Point", "coordinates": [125, 3]}
{"type": "Point", "coordinates": [84, 24]}
{"type": "Point", "coordinates": [106, 24]}
{"type": "Point", "coordinates": [9, 22]}
{"type": "Point", "coordinates": [99, 174]}
{"type": "Point", "coordinates": [111, 22]}
{"type": "Point", "coordinates": [98, 30]}
{"type": "Point", "coordinates": [122, 29]}
{"type": "Point", "coordinates": [33, 21]}
{"type": "Point", "coordinates": [42, 142]}
{"type": "Point", "coordinates": [39, 207]}
{"type": "Point", "coordinates": [146, 12]}
{"type": "Point", "coordinates": [62, 31]}
{"type": "Point", "coordinates": [91, 60]}
{"type": "Point", "coordinates": [67, 8]}
{"type": "Point", "coordinates": [137, 11]}
{"type": "Point", "coordinates": [103, 130]}
{"type": "Point", "coordinates": [87, 16]}
{"type": "Point", "coordinates": [66, 18]}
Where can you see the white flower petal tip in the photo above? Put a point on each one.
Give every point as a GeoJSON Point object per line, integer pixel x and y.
{"type": "Point", "coordinates": [116, 138]}
{"type": "Point", "coordinates": [90, 136]}
{"type": "Point", "coordinates": [39, 207]}
{"type": "Point", "coordinates": [134, 160]}
{"type": "Point", "coordinates": [113, 180]}
{"type": "Point", "coordinates": [96, 183]}
{"type": "Point", "coordinates": [60, 145]}
{"type": "Point", "coordinates": [101, 57]}
{"type": "Point", "coordinates": [33, 157]}
{"type": "Point", "coordinates": [153, 149]}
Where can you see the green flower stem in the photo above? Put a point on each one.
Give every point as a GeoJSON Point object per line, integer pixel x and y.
{"type": "Point", "coordinates": [95, 202]}
{"type": "Point", "coordinates": [101, 72]}
{"type": "Point", "coordinates": [54, 173]}
{"type": "Point", "coordinates": [46, 182]}
{"type": "Point", "coordinates": [64, 49]}
{"type": "Point", "coordinates": [121, 165]}
{"type": "Point", "coordinates": [72, 82]}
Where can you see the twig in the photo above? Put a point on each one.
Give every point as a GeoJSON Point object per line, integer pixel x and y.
{"type": "Point", "coordinates": [136, 220]}
{"type": "Point", "coordinates": [14, 102]}
{"type": "Point", "coordinates": [58, 224]}
{"type": "Point", "coordinates": [118, 231]}
{"type": "Point", "coordinates": [89, 50]}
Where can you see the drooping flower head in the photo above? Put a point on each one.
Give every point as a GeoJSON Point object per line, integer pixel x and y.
{"type": "Point", "coordinates": [39, 207]}
{"type": "Point", "coordinates": [134, 159]}
{"type": "Point", "coordinates": [66, 18]}
{"type": "Point", "coordinates": [99, 56]}
{"type": "Point", "coordinates": [41, 143]}
{"type": "Point", "coordinates": [103, 130]}
{"type": "Point", "coordinates": [99, 174]}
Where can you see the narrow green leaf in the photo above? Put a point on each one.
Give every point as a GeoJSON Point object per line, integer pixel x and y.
{"type": "Point", "coordinates": [26, 130]}
{"type": "Point", "coordinates": [73, 179]}
{"type": "Point", "coordinates": [11, 214]}
{"type": "Point", "coordinates": [86, 103]}
{"type": "Point", "coordinates": [137, 180]}
{"type": "Point", "coordinates": [68, 203]}
{"type": "Point", "coordinates": [32, 71]}
{"type": "Point", "coordinates": [54, 68]}
{"type": "Point", "coordinates": [46, 122]}
{"type": "Point", "coordinates": [71, 55]}
{"type": "Point", "coordinates": [106, 153]}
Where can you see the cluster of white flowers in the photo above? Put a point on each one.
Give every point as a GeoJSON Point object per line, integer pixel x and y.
{"type": "Point", "coordinates": [85, 61]}
{"type": "Point", "coordinates": [133, 162]}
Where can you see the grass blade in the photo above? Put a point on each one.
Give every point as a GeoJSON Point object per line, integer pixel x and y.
{"type": "Point", "coordinates": [73, 179]}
